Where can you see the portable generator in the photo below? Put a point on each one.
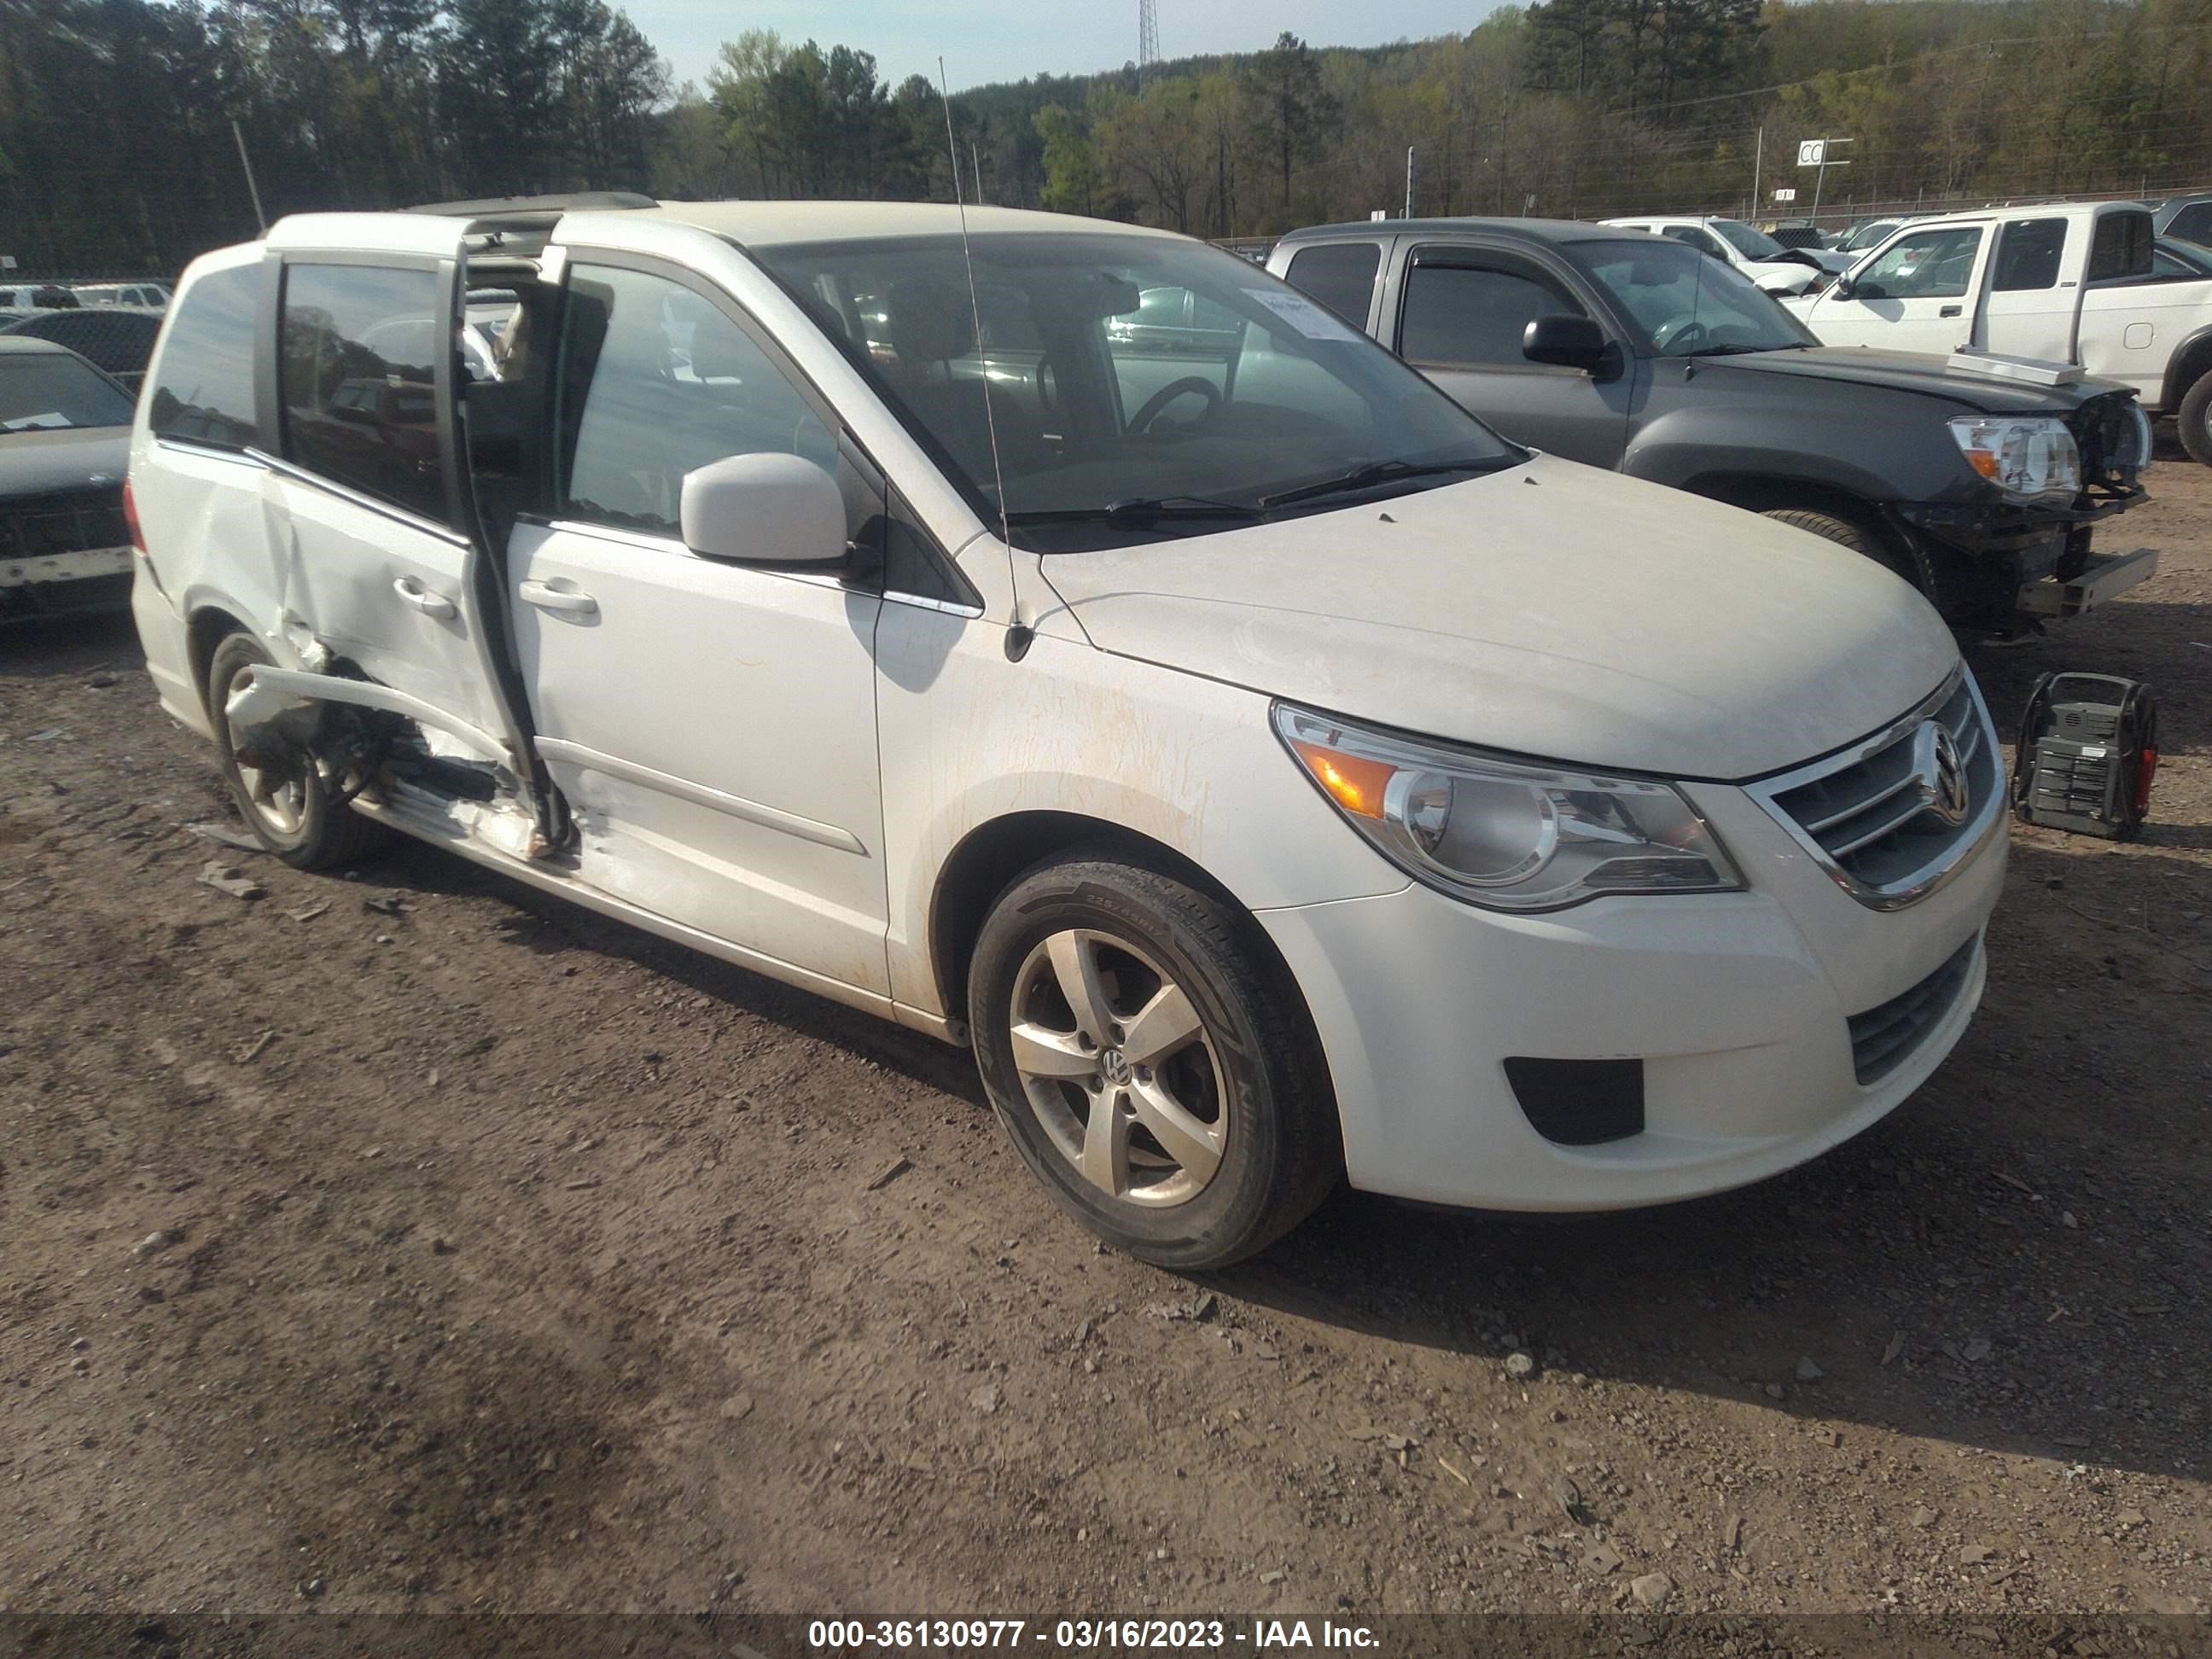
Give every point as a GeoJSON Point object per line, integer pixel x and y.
{"type": "Point", "coordinates": [2088, 750]}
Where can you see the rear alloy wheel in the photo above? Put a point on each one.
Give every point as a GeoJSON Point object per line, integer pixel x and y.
{"type": "Point", "coordinates": [1154, 1069]}
{"type": "Point", "coordinates": [281, 791]}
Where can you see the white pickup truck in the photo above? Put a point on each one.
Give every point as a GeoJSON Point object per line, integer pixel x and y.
{"type": "Point", "coordinates": [2068, 283]}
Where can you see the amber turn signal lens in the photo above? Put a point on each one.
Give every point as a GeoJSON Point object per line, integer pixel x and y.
{"type": "Point", "coordinates": [1353, 783]}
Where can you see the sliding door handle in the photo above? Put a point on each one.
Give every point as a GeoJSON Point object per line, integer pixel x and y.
{"type": "Point", "coordinates": [430, 603]}
{"type": "Point", "coordinates": [564, 601]}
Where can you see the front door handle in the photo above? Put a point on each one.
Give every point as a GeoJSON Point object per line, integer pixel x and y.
{"type": "Point", "coordinates": [430, 603]}
{"type": "Point", "coordinates": [565, 600]}
{"type": "Point", "coordinates": [1948, 311]}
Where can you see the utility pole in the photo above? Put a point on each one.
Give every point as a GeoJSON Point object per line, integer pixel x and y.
{"type": "Point", "coordinates": [1409, 181]}
{"type": "Point", "coordinates": [253, 189]}
{"type": "Point", "coordinates": [1758, 156]}
{"type": "Point", "coordinates": [1148, 40]}
{"type": "Point", "coordinates": [976, 173]}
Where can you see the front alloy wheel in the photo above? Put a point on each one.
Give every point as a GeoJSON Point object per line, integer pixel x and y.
{"type": "Point", "coordinates": [1151, 1059]}
{"type": "Point", "coordinates": [1117, 1067]}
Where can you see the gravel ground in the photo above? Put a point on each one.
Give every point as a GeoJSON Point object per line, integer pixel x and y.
{"type": "Point", "coordinates": [410, 1241]}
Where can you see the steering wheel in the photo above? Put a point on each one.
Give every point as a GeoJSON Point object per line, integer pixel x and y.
{"type": "Point", "coordinates": [1155, 404]}
{"type": "Point", "coordinates": [1679, 331]}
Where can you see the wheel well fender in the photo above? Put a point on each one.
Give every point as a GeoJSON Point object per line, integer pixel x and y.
{"type": "Point", "coordinates": [992, 856]}
{"type": "Point", "coordinates": [1762, 493]}
{"type": "Point", "coordinates": [209, 626]}
{"type": "Point", "coordinates": [2191, 361]}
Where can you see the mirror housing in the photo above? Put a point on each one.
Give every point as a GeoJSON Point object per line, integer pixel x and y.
{"type": "Point", "coordinates": [767, 508]}
{"type": "Point", "coordinates": [1569, 342]}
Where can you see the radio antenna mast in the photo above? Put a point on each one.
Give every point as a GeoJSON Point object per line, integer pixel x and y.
{"type": "Point", "coordinates": [1019, 633]}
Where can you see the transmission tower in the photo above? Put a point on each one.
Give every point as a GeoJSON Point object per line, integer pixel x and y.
{"type": "Point", "coordinates": [1148, 40]}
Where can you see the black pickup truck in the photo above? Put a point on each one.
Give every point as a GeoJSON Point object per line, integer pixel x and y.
{"type": "Point", "coordinates": [1980, 485]}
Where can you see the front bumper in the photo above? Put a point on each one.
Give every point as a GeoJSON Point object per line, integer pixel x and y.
{"type": "Point", "coordinates": [1738, 1005]}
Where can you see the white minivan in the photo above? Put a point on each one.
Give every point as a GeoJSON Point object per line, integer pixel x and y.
{"type": "Point", "coordinates": [1276, 776]}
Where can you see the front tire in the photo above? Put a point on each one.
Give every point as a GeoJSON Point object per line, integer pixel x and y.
{"type": "Point", "coordinates": [1153, 1067]}
{"type": "Point", "coordinates": [284, 798]}
{"type": "Point", "coordinates": [1908, 562]}
{"type": "Point", "coordinates": [2193, 420]}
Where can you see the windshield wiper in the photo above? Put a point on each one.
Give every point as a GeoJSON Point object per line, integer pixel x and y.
{"type": "Point", "coordinates": [1736, 350]}
{"type": "Point", "coordinates": [1141, 510]}
{"type": "Point", "coordinates": [1380, 473]}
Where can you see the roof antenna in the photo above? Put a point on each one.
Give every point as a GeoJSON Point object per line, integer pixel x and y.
{"type": "Point", "coordinates": [1019, 633]}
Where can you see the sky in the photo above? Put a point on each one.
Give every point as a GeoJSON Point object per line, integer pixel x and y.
{"type": "Point", "coordinates": [985, 40]}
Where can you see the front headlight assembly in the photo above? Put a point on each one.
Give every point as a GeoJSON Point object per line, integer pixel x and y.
{"type": "Point", "coordinates": [2028, 457]}
{"type": "Point", "coordinates": [1506, 834]}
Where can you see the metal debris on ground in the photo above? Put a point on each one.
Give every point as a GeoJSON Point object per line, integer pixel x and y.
{"type": "Point", "coordinates": [890, 1173]}
{"type": "Point", "coordinates": [225, 835]}
{"type": "Point", "coordinates": [229, 878]}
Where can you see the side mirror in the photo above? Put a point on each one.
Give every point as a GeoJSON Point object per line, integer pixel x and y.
{"type": "Point", "coordinates": [1841, 288]}
{"type": "Point", "coordinates": [1570, 342]}
{"type": "Point", "coordinates": [769, 509]}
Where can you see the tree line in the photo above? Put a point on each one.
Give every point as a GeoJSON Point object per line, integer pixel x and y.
{"type": "Point", "coordinates": [121, 120]}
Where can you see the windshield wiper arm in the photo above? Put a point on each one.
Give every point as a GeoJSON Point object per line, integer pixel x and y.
{"type": "Point", "coordinates": [1141, 510]}
{"type": "Point", "coordinates": [1380, 473]}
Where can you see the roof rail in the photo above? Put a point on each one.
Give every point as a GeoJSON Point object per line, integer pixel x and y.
{"type": "Point", "coordinates": [537, 210]}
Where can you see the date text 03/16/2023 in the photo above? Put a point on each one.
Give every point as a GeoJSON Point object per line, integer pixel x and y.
{"type": "Point", "coordinates": [1086, 1634]}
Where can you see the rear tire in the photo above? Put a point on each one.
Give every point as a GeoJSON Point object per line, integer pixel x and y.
{"type": "Point", "coordinates": [2194, 420]}
{"type": "Point", "coordinates": [1174, 1101]}
{"type": "Point", "coordinates": [1904, 560]}
{"type": "Point", "coordinates": [286, 802]}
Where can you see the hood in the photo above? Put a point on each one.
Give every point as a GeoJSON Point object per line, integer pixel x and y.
{"type": "Point", "coordinates": [79, 457]}
{"type": "Point", "coordinates": [1552, 610]}
{"type": "Point", "coordinates": [1782, 275]}
{"type": "Point", "coordinates": [1922, 372]}
{"type": "Point", "coordinates": [1820, 258]}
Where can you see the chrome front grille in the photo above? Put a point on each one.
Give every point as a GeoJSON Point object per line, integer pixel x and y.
{"type": "Point", "coordinates": [1890, 816]}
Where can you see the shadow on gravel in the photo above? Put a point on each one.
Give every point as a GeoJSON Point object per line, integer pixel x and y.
{"type": "Point", "coordinates": [55, 648]}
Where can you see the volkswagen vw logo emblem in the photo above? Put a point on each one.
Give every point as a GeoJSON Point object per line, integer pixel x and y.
{"type": "Point", "coordinates": [1939, 775]}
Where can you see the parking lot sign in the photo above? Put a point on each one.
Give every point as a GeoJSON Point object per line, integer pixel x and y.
{"type": "Point", "coordinates": [1812, 152]}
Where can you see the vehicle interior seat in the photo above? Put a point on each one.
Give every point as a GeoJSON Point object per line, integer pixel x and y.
{"type": "Point", "coordinates": [931, 328]}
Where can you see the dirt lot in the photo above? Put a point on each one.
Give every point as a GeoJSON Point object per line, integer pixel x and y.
{"type": "Point", "coordinates": [509, 1258]}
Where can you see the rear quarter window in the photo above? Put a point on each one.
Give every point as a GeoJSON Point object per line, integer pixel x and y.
{"type": "Point", "coordinates": [2122, 249]}
{"type": "Point", "coordinates": [204, 379]}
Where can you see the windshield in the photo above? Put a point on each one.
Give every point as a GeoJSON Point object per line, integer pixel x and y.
{"type": "Point", "coordinates": [1690, 305]}
{"type": "Point", "coordinates": [1750, 243]}
{"type": "Point", "coordinates": [1166, 383]}
{"type": "Point", "coordinates": [44, 390]}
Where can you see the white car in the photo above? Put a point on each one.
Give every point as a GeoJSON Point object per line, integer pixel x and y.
{"type": "Point", "coordinates": [147, 296]}
{"type": "Point", "coordinates": [1273, 774]}
{"type": "Point", "coordinates": [1776, 268]}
